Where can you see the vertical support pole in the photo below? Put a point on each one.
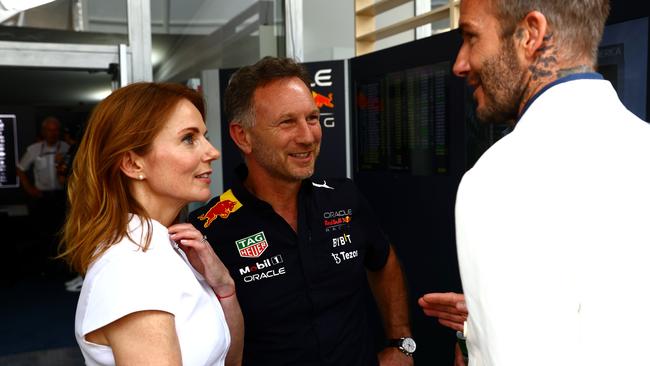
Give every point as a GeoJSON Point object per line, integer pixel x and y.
{"type": "Point", "coordinates": [210, 85]}
{"type": "Point", "coordinates": [454, 13]}
{"type": "Point", "coordinates": [166, 17]}
{"type": "Point", "coordinates": [348, 121]}
{"type": "Point", "coordinates": [363, 24]}
{"type": "Point", "coordinates": [293, 25]}
{"type": "Point", "coordinates": [268, 39]}
{"type": "Point", "coordinates": [125, 70]}
{"type": "Point", "coordinates": [139, 17]}
{"type": "Point", "coordinates": [421, 7]}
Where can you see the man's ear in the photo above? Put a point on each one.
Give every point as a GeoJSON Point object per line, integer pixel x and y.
{"type": "Point", "coordinates": [531, 34]}
{"type": "Point", "coordinates": [132, 165]}
{"type": "Point", "coordinates": [241, 137]}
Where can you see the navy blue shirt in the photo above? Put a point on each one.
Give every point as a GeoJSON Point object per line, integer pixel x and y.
{"type": "Point", "coordinates": [302, 294]}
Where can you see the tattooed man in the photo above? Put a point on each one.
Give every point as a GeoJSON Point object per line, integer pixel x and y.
{"type": "Point", "coordinates": [552, 221]}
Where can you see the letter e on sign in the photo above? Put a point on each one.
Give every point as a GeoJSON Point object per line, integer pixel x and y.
{"type": "Point", "coordinates": [323, 77]}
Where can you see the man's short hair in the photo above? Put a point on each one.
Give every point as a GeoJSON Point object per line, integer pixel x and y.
{"type": "Point", "coordinates": [51, 119]}
{"type": "Point", "coordinates": [576, 24]}
{"type": "Point", "coordinates": [238, 98]}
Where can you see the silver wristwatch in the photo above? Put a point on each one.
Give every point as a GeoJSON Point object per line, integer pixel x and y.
{"type": "Point", "coordinates": [404, 344]}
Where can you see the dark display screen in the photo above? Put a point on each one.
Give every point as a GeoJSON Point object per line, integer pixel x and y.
{"type": "Point", "coordinates": [8, 178]}
{"type": "Point", "coordinates": [402, 120]}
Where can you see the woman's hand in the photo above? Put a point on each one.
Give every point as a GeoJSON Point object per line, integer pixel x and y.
{"type": "Point", "coordinates": [203, 258]}
{"type": "Point", "coordinates": [200, 254]}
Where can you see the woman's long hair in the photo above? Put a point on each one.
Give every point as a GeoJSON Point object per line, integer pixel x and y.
{"type": "Point", "coordinates": [98, 192]}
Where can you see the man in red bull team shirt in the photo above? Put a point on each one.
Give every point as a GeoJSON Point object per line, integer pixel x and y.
{"type": "Point", "coordinates": [302, 251]}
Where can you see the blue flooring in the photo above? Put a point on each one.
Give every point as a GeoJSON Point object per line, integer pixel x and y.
{"type": "Point", "coordinates": [36, 313]}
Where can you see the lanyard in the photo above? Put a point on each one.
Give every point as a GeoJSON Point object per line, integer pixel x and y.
{"type": "Point", "coordinates": [58, 144]}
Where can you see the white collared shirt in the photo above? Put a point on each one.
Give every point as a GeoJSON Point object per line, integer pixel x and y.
{"type": "Point", "coordinates": [125, 280]}
{"type": "Point", "coordinates": [43, 157]}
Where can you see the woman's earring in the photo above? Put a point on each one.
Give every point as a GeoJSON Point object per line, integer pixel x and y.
{"type": "Point", "coordinates": [141, 177]}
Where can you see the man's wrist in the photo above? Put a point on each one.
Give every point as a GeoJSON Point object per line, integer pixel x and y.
{"type": "Point", "coordinates": [393, 356]}
{"type": "Point", "coordinates": [405, 344]}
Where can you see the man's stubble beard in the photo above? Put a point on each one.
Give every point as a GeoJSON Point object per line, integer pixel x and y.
{"type": "Point", "coordinates": [503, 81]}
{"type": "Point", "coordinates": [267, 158]}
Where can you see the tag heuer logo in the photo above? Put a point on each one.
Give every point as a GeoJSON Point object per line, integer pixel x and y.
{"type": "Point", "coordinates": [252, 246]}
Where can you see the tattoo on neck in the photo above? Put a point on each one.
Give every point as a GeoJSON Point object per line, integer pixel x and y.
{"type": "Point", "coordinates": [546, 43]}
{"type": "Point", "coordinates": [543, 69]}
{"type": "Point", "coordinates": [538, 73]}
{"type": "Point", "coordinates": [547, 60]}
{"type": "Point", "coordinates": [574, 70]}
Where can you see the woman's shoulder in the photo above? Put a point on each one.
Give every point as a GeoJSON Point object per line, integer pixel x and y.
{"type": "Point", "coordinates": [131, 252]}
{"type": "Point", "coordinates": [139, 276]}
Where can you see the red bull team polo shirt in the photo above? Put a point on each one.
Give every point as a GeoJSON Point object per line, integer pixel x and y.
{"type": "Point", "coordinates": [303, 295]}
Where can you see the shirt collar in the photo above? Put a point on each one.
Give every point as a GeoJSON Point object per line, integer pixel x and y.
{"type": "Point", "coordinates": [240, 191]}
{"type": "Point", "coordinates": [245, 196]}
{"type": "Point", "coordinates": [580, 76]}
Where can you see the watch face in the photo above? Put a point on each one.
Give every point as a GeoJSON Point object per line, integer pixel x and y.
{"type": "Point", "coordinates": [408, 344]}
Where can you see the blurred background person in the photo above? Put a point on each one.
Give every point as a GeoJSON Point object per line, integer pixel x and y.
{"type": "Point", "coordinates": [47, 198]}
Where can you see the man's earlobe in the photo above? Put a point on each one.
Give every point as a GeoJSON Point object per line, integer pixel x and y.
{"type": "Point", "coordinates": [240, 137]}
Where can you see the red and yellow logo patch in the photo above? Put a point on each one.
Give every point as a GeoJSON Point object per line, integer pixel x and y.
{"type": "Point", "coordinates": [322, 100]}
{"type": "Point", "coordinates": [227, 204]}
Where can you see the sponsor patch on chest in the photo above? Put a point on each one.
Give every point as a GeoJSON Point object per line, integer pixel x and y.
{"type": "Point", "coordinates": [337, 220]}
{"type": "Point", "coordinates": [252, 246]}
{"type": "Point", "coordinates": [266, 268]}
{"type": "Point", "coordinates": [227, 204]}
{"type": "Point", "coordinates": [344, 256]}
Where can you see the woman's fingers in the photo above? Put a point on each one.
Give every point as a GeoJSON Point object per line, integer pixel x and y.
{"type": "Point", "coordinates": [187, 235]}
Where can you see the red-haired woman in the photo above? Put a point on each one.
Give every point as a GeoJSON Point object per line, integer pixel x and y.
{"type": "Point", "coordinates": [154, 291]}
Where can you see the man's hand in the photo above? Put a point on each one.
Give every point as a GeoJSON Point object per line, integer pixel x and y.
{"type": "Point", "coordinates": [449, 308]}
{"type": "Point", "coordinates": [27, 185]}
{"type": "Point", "coordinates": [391, 356]}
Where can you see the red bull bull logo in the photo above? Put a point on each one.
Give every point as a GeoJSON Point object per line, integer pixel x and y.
{"type": "Point", "coordinates": [336, 223]}
{"type": "Point", "coordinates": [227, 204]}
{"type": "Point", "coordinates": [322, 100]}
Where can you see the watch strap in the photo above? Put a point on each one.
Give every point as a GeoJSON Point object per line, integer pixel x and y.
{"type": "Point", "coordinates": [395, 342]}
{"type": "Point", "coordinates": [399, 344]}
